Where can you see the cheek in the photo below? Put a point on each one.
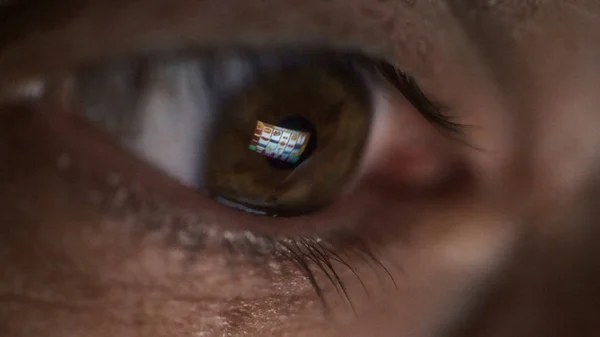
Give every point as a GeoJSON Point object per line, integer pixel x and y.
{"type": "Point", "coordinates": [54, 233]}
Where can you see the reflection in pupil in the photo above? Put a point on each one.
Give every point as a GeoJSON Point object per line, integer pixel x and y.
{"type": "Point", "coordinates": [287, 144]}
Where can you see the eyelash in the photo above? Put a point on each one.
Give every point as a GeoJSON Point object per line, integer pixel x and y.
{"type": "Point", "coordinates": [408, 87]}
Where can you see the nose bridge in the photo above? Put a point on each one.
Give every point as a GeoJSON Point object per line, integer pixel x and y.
{"type": "Point", "coordinates": [560, 100]}
{"type": "Point", "coordinates": [548, 73]}
{"type": "Point", "coordinates": [544, 60]}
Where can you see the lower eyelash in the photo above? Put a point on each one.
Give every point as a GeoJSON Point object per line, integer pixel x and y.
{"type": "Point", "coordinates": [194, 236]}
{"type": "Point", "coordinates": [307, 253]}
{"type": "Point", "coordinates": [324, 254]}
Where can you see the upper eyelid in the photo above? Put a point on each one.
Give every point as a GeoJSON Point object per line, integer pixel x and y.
{"type": "Point", "coordinates": [103, 29]}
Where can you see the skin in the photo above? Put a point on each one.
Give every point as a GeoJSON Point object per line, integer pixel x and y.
{"type": "Point", "coordinates": [495, 239]}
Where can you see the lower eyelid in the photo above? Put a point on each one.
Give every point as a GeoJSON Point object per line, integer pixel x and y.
{"type": "Point", "coordinates": [101, 158]}
{"type": "Point", "coordinates": [102, 168]}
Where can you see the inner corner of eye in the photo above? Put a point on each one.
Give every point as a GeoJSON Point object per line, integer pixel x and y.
{"type": "Point", "coordinates": [275, 133]}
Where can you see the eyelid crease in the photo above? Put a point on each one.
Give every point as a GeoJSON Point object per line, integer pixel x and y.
{"type": "Point", "coordinates": [375, 67]}
{"type": "Point", "coordinates": [53, 43]}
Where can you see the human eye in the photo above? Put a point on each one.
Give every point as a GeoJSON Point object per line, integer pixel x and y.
{"type": "Point", "coordinates": [275, 134]}
{"type": "Point", "coordinates": [251, 169]}
{"type": "Point", "coordinates": [272, 143]}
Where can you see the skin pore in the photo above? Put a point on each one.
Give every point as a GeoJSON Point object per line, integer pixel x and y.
{"type": "Point", "coordinates": [494, 239]}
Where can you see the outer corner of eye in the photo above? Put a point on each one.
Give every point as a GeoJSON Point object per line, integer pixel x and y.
{"type": "Point", "coordinates": [273, 133]}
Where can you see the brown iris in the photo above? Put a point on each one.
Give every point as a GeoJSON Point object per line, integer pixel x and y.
{"type": "Point", "coordinates": [329, 103]}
